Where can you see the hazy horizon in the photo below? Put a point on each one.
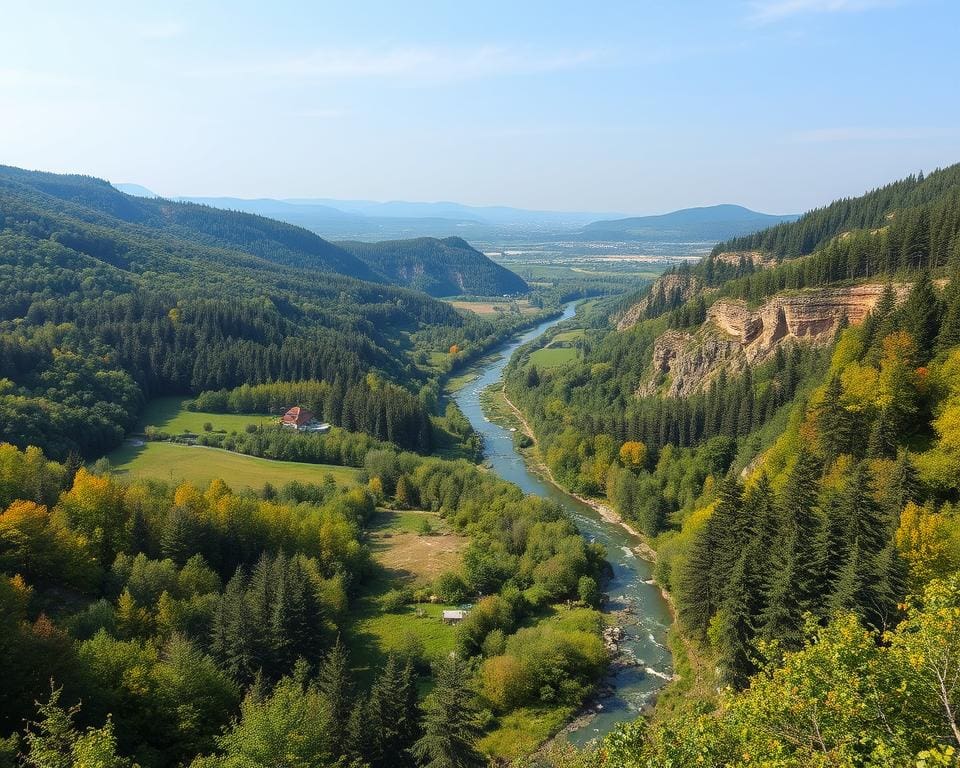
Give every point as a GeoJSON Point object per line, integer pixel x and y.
{"type": "Point", "coordinates": [776, 105]}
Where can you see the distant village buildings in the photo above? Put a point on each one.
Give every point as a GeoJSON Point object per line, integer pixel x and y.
{"type": "Point", "coordinates": [302, 420]}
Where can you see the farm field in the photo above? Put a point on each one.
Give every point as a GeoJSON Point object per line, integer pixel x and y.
{"type": "Point", "coordinates": [488, 308]}
{"type": "Point", "coordinates": [169, 414]}
{"type": "Point", "coordinates": [551, 357]}
{"type": "Point", "coordinates": [172, 462]}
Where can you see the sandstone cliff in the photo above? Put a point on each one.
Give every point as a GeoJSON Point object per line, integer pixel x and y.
{"type": "Point", "coordinates": [735, 335]}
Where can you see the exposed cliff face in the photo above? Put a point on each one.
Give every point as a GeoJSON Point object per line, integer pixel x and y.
{"type": "Point", "coordinates": [735, 335]}
{"type": "Point", "coordinates": [758, 258]}
{"type": "Point", "coordinates": [682, 285]}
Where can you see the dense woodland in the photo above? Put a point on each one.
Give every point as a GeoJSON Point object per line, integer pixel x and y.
{"type": "Point", "coordinates": [109, 300]}
{"type": "Point", "coordinates": [803, 509]}
{"type": "Point", "coordinates": [179, 622]}
{"type": "Point", "coordinates": [447, 267]}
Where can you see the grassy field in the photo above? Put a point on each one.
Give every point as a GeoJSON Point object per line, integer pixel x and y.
{"type": "Point", "coordinates": [488, 308]}
{"type": "Point", "coordinates": [403, 557]}
{"type": "Point", "coordinates": [550, 357]}
{"type": "Point", "coordinates": [397, 544]}
{"type": "Point", "coordinates": [178, 463]}
{"type": "Point", "coordinates": [169, 415]}
{"type": "Point", "coordinates": [568, 336]}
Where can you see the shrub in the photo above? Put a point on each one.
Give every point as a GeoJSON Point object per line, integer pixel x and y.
{"type": "Point", "coordinates": [449, 587]}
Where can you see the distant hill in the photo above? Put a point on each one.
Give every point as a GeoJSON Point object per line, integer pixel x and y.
{"type": "Point", "coordinates": [715, 222]}
{"type": "Point", "coordinates": [439, 267]}
{"type": "Point", "coordinates": [136, 190]}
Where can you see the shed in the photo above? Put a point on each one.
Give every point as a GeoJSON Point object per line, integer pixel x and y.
{"type": "Point", "coordinates": [453, 617]}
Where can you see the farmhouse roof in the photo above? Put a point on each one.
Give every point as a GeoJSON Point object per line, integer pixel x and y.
{"type": "Point", "coordinates": [297, 416]}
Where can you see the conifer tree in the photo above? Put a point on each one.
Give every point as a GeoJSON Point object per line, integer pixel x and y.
{"type": "Point", "coordinates": [731, 629]}
{"type": "Point", "coordinates": [335, 686]}
{"type": "Point", "coordinates": [834, 423]}
{"type": "Point", "coordinates": [450, 726]}
{"type": "Point", "coordinates": [799, 510]}
{"type": "Point", "coordinates": [921, 315]}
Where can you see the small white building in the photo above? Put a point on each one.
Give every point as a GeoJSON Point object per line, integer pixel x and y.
{"type": "Point", "coordinates": [453, 617]}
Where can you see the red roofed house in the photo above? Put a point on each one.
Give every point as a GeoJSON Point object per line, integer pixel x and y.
{"type": "Point", "coordinates": [301, 419]}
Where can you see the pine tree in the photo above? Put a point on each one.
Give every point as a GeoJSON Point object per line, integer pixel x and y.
{"type": "Point", "coordinates": [782, 616]}
{"type": "Point", "coordinates": [697, 593]}
{"type": "Point", "coordinates": [921, 316]}
{"type": "Point", "coordinates": [949, 333]}
{"type": "Point", "coordinates": [388, 713]}
{"type": "Point", "coordinates": [450, 726]}
{"type": "Point", "coordinates": [726, 531]}
{"type": "Point", "coordinates": [799, 510]}
{"type": "Point", "coordinates": [834, 423]}
{"type": "Point", "coordinates": [335, 685]}
{"type": "Point", "coordinates": [882, 442]}
{"type": "Point", "coordinates": [731, 629]}
{"type": "Point", "coordinates": [179, 535]}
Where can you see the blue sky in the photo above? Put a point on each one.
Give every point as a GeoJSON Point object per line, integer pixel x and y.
{"type": "Point", "coordinates": [639, 107]}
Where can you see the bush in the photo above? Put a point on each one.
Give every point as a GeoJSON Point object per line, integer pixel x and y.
{"type": "Point", "coordinates": [449, 587]}
{"type": "Point", "coordinates": [395, 600]}
{"type": "Point", "coordinates": [588, 591]}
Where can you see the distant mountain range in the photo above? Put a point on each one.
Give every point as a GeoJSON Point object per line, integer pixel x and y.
{"type": "Point", "coordinates": [714, 222]}
{"type": "Point", "coordinates": [397, 219]}
{"type": "Point", "coordinates": [370, 220]}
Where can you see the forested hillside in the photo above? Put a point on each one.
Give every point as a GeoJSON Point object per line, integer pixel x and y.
{"type": "Point", "coordinates": [447, 267]}
{"type": "Point", "coordinates": [108, 300]}
{"type": "Point", "coordinates": [786, 436]}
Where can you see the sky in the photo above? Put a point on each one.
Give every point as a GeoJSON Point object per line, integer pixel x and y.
{"type": "Point", "coordinates": [636, 107]}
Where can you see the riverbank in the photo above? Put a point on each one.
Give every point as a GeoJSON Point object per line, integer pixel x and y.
{"type": "Point", "coordinates": [693, 677]}
{"type": "Point", "coordinates": [608, 513]}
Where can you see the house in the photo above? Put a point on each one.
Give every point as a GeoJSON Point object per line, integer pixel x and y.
{"type": "Point", "coordinates": [453, 617]}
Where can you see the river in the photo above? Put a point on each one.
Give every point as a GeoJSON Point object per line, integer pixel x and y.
{"type": "Point", "coordinates": [640, 608]}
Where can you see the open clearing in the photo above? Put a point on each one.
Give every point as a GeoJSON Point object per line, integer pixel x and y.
{"type": "Point", "coordinates": [397, 544]}
{"type": "Point", "coordinates": [487, 308]}
{"type": "Point", "coordinates": [172, 462]}
{"type": "Point", "coordinates": [168, 414]}
{"type": "Point", "coordinates": [551, 357]}
{"type": "Point", "coordinates": [403, 557]}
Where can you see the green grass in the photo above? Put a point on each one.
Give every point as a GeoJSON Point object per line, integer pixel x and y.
{"type": "Point", "coordinates": [569, 336]}
{"type": "Point", "coordinates": [521, 732]}
{"type": "Point", "coordinates": [404, 521]}
{"type": "Point", "coordinates": [551, 357]}
{"type": "Point", "coordinates": [374, 634]}
{"type": "Point", "coordinates": [168, 414]}
{"type": "Point", "coordinates": [177, 463]}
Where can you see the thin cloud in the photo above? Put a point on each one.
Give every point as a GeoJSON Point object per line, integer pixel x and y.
{"type": "Point", "coordinates": [770, 11]}
{"type": "Point", "coordinates": [412, 63]}
{"type": "Point", "coordinates": [844, 134]}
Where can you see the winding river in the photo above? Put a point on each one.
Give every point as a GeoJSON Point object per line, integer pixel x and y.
{"type": "Point", "coordinates": [638, 605]}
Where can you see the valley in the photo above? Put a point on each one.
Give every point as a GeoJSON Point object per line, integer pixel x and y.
{"type": "Point", "coordinates": [574, 501]}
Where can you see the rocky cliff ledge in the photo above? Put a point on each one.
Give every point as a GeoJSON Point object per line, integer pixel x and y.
{"type": "Point", "coordinates": [735, 335]}
{"type": "Point", "coordinates": [683, 285]}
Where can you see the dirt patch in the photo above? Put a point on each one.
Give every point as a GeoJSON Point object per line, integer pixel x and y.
{"type": "Point", "coordinates": [417, 558]}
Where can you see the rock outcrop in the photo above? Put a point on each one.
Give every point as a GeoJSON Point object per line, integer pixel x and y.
{"type": "Point", "coordinates": [735, 335]}
{"type": "Point", "coordinates": [683, 285]}
{"type": "Point", "coordinates": [734, 258]}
